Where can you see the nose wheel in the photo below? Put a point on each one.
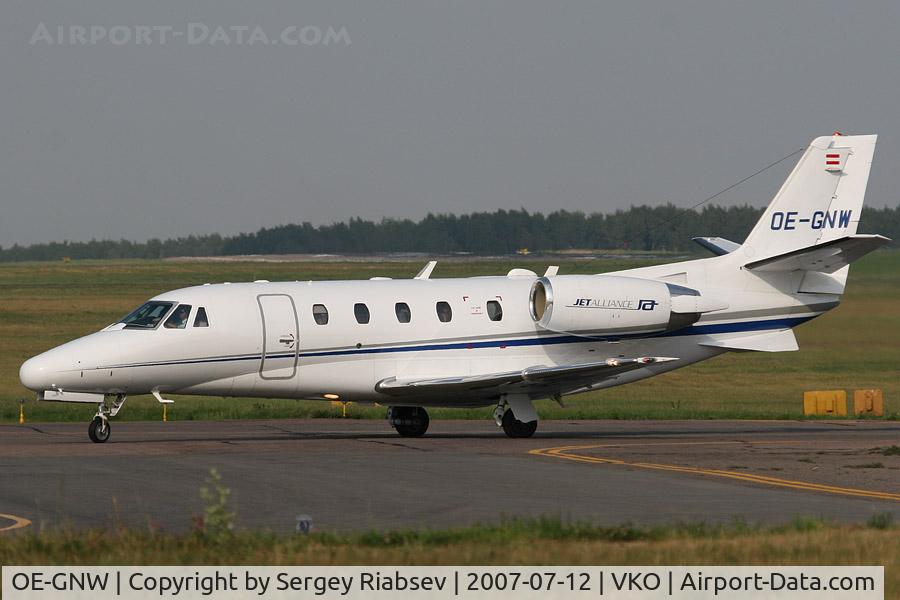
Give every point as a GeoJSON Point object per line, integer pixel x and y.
{"type": "Point", "coordinates": [99, 430]}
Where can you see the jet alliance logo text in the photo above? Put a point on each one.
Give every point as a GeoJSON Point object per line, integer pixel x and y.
{"type": "Point", "coordinates": [614, 304]}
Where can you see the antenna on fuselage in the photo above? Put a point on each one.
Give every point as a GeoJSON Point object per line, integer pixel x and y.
{"type": "Point", "coordinates": [425, 273]}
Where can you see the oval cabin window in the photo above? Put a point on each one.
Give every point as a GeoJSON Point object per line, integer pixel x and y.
{"type": "Point", "coordinates": [361, 311]}
{"type": "Point", "coordinates": [494, 310]}
{"type": "Point", "coordinates": [444, 312]}
{"type": "Point", "coordinates": [404, 315]}
{"type": "Point", "coordinates": [320, 314]}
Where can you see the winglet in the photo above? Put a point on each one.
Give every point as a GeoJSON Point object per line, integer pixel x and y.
{"type": "Point", "coordinates": [551, 271]}
{"type": "Point", "coordinates": [425, 273]}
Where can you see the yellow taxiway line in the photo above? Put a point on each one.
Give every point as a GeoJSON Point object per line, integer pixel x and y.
{"type": "Point", "coordinates": [18, 522]}
{"type": "Point", "coordinates": [571, 453]}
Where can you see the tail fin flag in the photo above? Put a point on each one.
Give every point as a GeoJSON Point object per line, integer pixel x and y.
{"type": "Point", "coordinates": [820, 201]}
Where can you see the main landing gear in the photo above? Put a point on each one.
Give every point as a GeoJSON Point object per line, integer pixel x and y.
{"type": "Point", "coordinates": [516, 415]}
{"type": "Point", "coordinates": [515, 428]}
{"type": "Point", "coordinates": [99, 428]}
{"type": "Point", "coordinates": [409, 421]}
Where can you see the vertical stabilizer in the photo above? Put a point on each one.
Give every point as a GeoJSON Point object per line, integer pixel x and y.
{"type": "Point", "coordinates": [819, 202]}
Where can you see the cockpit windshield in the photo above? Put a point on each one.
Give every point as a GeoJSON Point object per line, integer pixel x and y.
{"type": "Point", "coordinates": [147, 316]}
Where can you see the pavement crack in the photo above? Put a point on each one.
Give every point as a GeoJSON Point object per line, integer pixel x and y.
{"type": "Point", "coordinates": [42, 432]}
{"type": "Point", "coordinates": [281, 429]}
{"type": "Point", "coordinates": [397, 444]}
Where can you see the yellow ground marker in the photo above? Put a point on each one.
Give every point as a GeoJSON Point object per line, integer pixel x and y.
{"type": "Point", "coordinates": [570, 453]}
{"type": "Point", "coordinates": [18, 522]}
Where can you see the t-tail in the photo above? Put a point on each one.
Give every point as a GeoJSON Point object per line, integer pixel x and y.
{"type": "Point", "coordinates": [812, 221]}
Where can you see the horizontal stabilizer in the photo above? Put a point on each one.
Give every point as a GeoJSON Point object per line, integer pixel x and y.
{"type": "Point", "coordinates": [770, 341]}
{"type": "Point", "coordinates": [717, 245]}
{"type": "Point", "coordinates": [825, 258]}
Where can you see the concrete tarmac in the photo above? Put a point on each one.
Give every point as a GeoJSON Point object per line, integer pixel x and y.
{"type": "Point", "coordinates": [350, 474]}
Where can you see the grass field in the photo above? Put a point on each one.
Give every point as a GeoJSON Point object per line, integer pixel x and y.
{"type": "Point", "coordinates": [855, 346]}
{"type": "Point", "coordinates": [534, 542]}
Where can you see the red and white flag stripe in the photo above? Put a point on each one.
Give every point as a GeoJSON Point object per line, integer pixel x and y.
{"type": "Point", "coordinates": [833, 161]}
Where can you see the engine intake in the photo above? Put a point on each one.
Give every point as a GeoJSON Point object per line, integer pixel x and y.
{"type": "Point", "coordinates": [611, 306]}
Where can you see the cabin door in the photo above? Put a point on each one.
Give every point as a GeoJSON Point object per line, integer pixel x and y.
{"type": "Point", "coordinates": [280, 336]}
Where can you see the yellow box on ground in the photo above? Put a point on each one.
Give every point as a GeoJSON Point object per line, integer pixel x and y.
{"type": "Point", "coordinates": [868, 402]}
{"type": "Point", "coordinates": [825, 402]}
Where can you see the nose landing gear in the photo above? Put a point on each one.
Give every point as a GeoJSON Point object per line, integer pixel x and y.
{"type": "Point", "coordinates": [99, 429]}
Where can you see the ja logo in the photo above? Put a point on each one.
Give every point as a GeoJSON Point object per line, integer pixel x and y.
{"type": "Point", "coordinates": [647, 304]}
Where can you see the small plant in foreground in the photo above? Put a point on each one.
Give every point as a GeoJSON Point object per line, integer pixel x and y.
{"type": "Point", "coordinates": [217, 523]}
{"type": "Point", "coordinates": [881, 520]}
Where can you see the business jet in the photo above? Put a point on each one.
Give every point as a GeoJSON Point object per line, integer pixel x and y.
{"type": "Point", "coordinates": [483, 341]}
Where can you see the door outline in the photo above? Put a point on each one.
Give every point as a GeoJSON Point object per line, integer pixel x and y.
{"type": "Point", "coordinates": [262, 314]}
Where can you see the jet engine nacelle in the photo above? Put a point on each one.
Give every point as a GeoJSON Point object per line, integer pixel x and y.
{"type": "Point", "coordinates": [611, 306]}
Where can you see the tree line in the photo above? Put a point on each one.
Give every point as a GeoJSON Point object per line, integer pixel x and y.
{"type": "Point", "coordinates": [657, 228]}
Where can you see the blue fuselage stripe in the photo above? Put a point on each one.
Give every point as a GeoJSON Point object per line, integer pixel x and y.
{"type": "Point", "coordinates": [735, 327]}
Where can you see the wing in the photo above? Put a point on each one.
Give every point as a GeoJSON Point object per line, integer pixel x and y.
{"type": "Point", "coordinates": [536, 380]}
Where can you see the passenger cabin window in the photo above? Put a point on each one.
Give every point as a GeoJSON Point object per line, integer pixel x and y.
{"type": "Point", "coordinates": [404, 315]}
{"type": "Point", "coordinates": [147, 316]}
{"type": "Point", "coordinates": [200, 320]}
{"type": "Point", "coordinates": [444, 312]}
{"type": "Point", "coordinates": [494, 310]}
{"type": "Point", "coordinates": [320, 314]}
{"type": "Point", "coordinates": [179, 317]}
{"type": "Point", "coordinates": [362, 313]}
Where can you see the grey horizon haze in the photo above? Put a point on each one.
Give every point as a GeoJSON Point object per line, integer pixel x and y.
{"type": "Point", "coordinates": [448, 107]}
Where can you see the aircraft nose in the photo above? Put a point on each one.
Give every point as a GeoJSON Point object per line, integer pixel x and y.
{"type": "Point", "coordinates": [37, 373]}
{"type": "Point", "coordinates": [33, 374]}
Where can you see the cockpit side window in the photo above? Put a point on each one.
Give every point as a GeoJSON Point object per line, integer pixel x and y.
{"type": "Point", "coordinates": [147, 316]}
{"type": "Point", "coordinates": [201, 319]}
{"type": "Point", "coordinates": [179, 317]}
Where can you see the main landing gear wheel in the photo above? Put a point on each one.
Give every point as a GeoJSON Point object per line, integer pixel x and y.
{"type": "Point", "coordinates": [409, 421]}
{"type": "Point", "coordinates": [514, 428]}
{"type": "Point", "coordinates": [99, 430]}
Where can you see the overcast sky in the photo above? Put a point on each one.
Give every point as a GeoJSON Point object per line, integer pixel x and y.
{"type": "Point", "coordinates": [417, 107]}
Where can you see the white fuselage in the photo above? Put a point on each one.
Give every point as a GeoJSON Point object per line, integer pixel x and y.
{"type": "Point", "coordinates": [262, 339]}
